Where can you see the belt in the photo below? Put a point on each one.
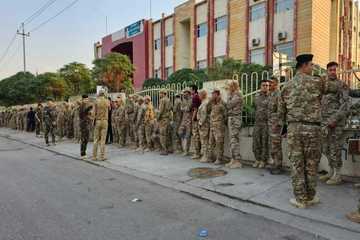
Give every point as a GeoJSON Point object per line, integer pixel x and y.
{"type": "Point", "coordinates": [309, 123]}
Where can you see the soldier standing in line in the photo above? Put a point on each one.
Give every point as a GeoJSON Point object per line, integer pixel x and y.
{"type": "Point", "coordinates": [149, 123]}
{"type": "Point", "coordinates": [136, 109]}
{"type": "Point", "coordinates": [102, 107]}
{"type": "Point", "coordinates": [140, 124]}
{"type": "Point", "coordinates": [130, 113]}
{"type": "Point", "coordinates": [164, 121]}
{"type": "Point", "coordinates": [203, 116]}
{"type": "Point", "coordinates": [115, 122]}
{"type": "Point", "coordinates": [76, 121]}
{"type": "Point", "coordinates": [60, 121]}
{"type": "Point", "coordinates": [261, 130]}
{"type": "Point", "coordinates": [121, 115]}
{"type": "Point", "coordinates": [49, 119]}
{"type": "Point", "coordinates": [275, 128]}
{"type": "Point", "coordinates": [39, 119]}
{"type": "Point", "coordinates": [234, 106]}
{"type": "Point", "coordinates": [85, 122]}
{"type": "Point", "coordinates": [185, 126]}
{"type": "Point", "coordinates": [300, 106]}
{"type": "Point", "coordinates": [218, 117]}
{"type": "Point", "coordinates": [177, 115]}
{"type": "Point", "coordinates": [336, 97]}
{"type": "Point", "coordinates": [195, 137]}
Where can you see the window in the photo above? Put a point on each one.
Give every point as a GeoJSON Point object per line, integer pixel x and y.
{"type": "Point", "coordinates": [284, 5]}
{"type": "Point", "coordinates": [257, 12]}
{"type": "Point", "coordinates": [257, 56]}
{"type": "Point", "coordinates": [157, 44]}
{"type": "Point", "coordinates": [157, 73]}
{"type": "Point", "coordinates": [221, 23]}
{"type": "Point", "coordinates": [202, 64]}
{"type": "Point", "coordinates": [286, 49]}
{"type": "Point", "coordinates": [168, 71]}
{"type": "Point", "coordinates": [169, 40]}
{"type": "Point", "coordinates": [202, 30]}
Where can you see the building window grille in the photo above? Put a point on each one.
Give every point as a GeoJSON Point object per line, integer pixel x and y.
{"type": "Point", "coordinates": [286, 49]}
{"type": "Point", "coordinates": [157, 44]}
{"type": "Point", "coordinates": [257, 12]}
{"type": "Point", "coordinates": [257, 56]}
{"type": "Point", "coordinates": [202, 64]}
{"type": "Point", "coordinates": [169, 40]}
{"type": "Point", "coordinates": [157, 73]}
{"type": "Point", "coordinates": [202, 30]}
{"type": "Point", "coordinates": [221, 23]}
{"type": "Point", "coordinates": [284, 5]}
{"type": "Point", "coordinates": [168, 71]}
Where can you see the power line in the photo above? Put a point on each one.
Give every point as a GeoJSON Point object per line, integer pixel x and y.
{"type": "Point", "coordinates": [10, 58]}
{"type": "Point", "coordinates": [8, 48]}
{"type": "Point", "coordinates": [39, 11]}
{"type": "Point", "coordinates": [53, 17]}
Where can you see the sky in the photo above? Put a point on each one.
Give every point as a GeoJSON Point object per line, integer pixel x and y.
{"type": "Point", "coordinates": [70, 36]}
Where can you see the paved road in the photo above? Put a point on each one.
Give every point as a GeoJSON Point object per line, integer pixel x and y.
{"type": "Point", "coordinates": [48, 196]}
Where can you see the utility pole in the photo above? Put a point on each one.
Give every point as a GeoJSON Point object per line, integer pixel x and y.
{"type": "Point", "coordinates": [150, 9]}
{"type": "Point", "coordinates": [23, 34]}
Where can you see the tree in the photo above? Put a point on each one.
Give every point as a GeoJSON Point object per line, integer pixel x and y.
{"type": "Point", "coordinates": [52, 85]}
{"type": "Point", "coordinates": [78, 78]}
{"type": "Point", "coordinates": [115, 71]}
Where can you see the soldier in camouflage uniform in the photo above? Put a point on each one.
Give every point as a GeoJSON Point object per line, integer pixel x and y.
{"type": "Point", "coordinates": [300, 106]}
{"type": "Point", "coordinates": [115, 122]}
{"type": "Point", "coordinates": [185, 126]}
{"type": "Point", "coordinates": [195, 137]}
{"type": "Point", "coordinates": [121, 119]}
{"type": "Point", "coordinates": [149, 123]}
{"type": "Point", "coordinates": [49, 119]}
{"type": "Point", "coordinates": [336, 97]}
{"type": "Point", "coordinates": [234, 106]}
{"type": "Point", "coordinates": [177, 115]}
{"type": "Point", "coordinates": [203, 116]}
{"type": "Point", "coordinates": [140, 124]}
{"type": "Point", "coordinates": [218, 118]}
{"type": "Point", "coordinates": [76, 121]}
{"type": "Point", "coordinates": [275, 128]}
{"type": "Point", "coordinates": [60, 121]}
{"type": "Point", "coordinates": [130, 114]}
{"type": "Point", "coordinates": [85, 123]}
{"type": "Point", "coordinates": [69, 128]}
{"type": "Point", "coordinates": [164, 121]}
{"type": "Point", "coordinates": [39, 120]}
{"type": "Point", "coordinates": [261, 130]}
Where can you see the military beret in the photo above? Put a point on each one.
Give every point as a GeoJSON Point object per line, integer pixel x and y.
{"type": "Point", "coordinates": [85, 96]}
{"type": "Point", "coordinates": [304, 58]}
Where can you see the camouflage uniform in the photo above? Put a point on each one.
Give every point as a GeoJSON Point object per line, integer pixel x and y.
{"type": "Point", "coordinates": [102, 106]}
{"type": "Point", "coordinates": [275, 129]}
{"type": "Point", "coordinates": [336, 94]}
{"type": "Point", "coordinates": [76, 122]}
{"type": "Point", "coordinates": [185, 126]}
{"type": "Point", "coordinates": [261, 132]}
{"type": "Point", "coordinates": [218, 117]}
{"type": "Point", "coordinates": [115, 124]}
{"type": "Point", "coordinates": [177, 115]}
{"type": "Point", "coordinates": [122, 125]}
{"type": "Point", "coordinates": [300, 106]}
{"type": "Point", "coordinates": [39, 120]}
{"type": "Point", "coordinates": [234, 106]}
{"type": "Point", "coordinates": [69, 127]}
{"type": "Point", "coordinates": [203, 116]}
{"type": "Point", "coordinates": [140, 126]}
{"type": "Point", "coordinates": [85, 122]}
{"type": "Point", "coordinates": [164, 122]}
{"type": "Point", "coordinates": [49, 119]}
{"type": "Point", "coordinates": [195, 135]}
{"type": "Point", "coordinates": [130, 118]}
{"type": "Point", "coordinates": [60, 122]}
{"type": "Point", "coordinates": [149, 124]}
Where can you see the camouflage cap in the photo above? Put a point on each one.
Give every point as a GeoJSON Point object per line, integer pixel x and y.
{"type": "Point", "coordinates": [186, 90]}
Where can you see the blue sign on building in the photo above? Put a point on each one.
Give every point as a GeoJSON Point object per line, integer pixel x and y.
{"type": "Point", "coordinates": [134, 29]}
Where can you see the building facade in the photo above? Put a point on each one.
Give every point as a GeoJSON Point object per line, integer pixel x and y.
{"type": "Point", "coordinates": [201, 32]}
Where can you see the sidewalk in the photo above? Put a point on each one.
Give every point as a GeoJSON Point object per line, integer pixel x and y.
{"type": "Point", "coordinates": [249, 190]}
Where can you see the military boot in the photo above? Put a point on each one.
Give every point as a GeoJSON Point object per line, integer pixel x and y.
{"type": "Point", "coordinates": [195, 156]}
{"type": "Point", "coordinates": [314, 201]}
{"type": "Point", "coordinates": [297, 204]}
{"type": "Point", "coordinates": [256, 164]}
{"type": "Point", "coordinates": [327, 176]}
{"type": "Point", "coordinates": [185, 147]}
{"type": "Point", "coordinates": [233, 164]}
{"type": "Point", "coordinates": [354, 217]}
{"type": "Point", "coordinates": [219, 161]}
{"type": "Point", "coordinates": [261, 165]}
{"type": "Point", "coordinates": [335, 178]}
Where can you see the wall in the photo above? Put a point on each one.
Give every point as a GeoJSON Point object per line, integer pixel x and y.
{"type": "Point", "coordinates": [237, 29]}
{"type": "Point", "coordinates": [201, 43]}
{"type": "Point", "coordinates": [220, 37]}
{"type": "Point", "coordinates": [169, 51]}
{"type": "Point", "coordinates": [304, 26]}
{"type": "Point", "coordinates": [184, 34]}
{"type": "Point", "coordinates": [157, 52]}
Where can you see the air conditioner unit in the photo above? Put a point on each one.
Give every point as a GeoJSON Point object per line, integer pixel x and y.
{"type": "Point", "coordinates": [255, 42]}
{"type": "Point", "coordinates": [282, 36]}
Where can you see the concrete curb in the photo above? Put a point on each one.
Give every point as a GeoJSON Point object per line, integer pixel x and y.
{"type": "Point", "coordinates": [317, 227]}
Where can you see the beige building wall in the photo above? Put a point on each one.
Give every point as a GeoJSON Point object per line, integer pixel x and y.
{"type": "Point", "coordinates": [304, 23]}
{"type": "Point", "coordinates": [321, 12]}
{"type": "Point", "coordinates": [157, 52]}
{"type": "Point", "coordinates": [169, 50]}
{"type": "Point", "coordinates": [334, 30]}
{"type": "Point", "coordinates": [237, 29]}
{"type": "Point", "coordinates": [201, 42]}
{"type": "Point", "coordinates": [184, 35]}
